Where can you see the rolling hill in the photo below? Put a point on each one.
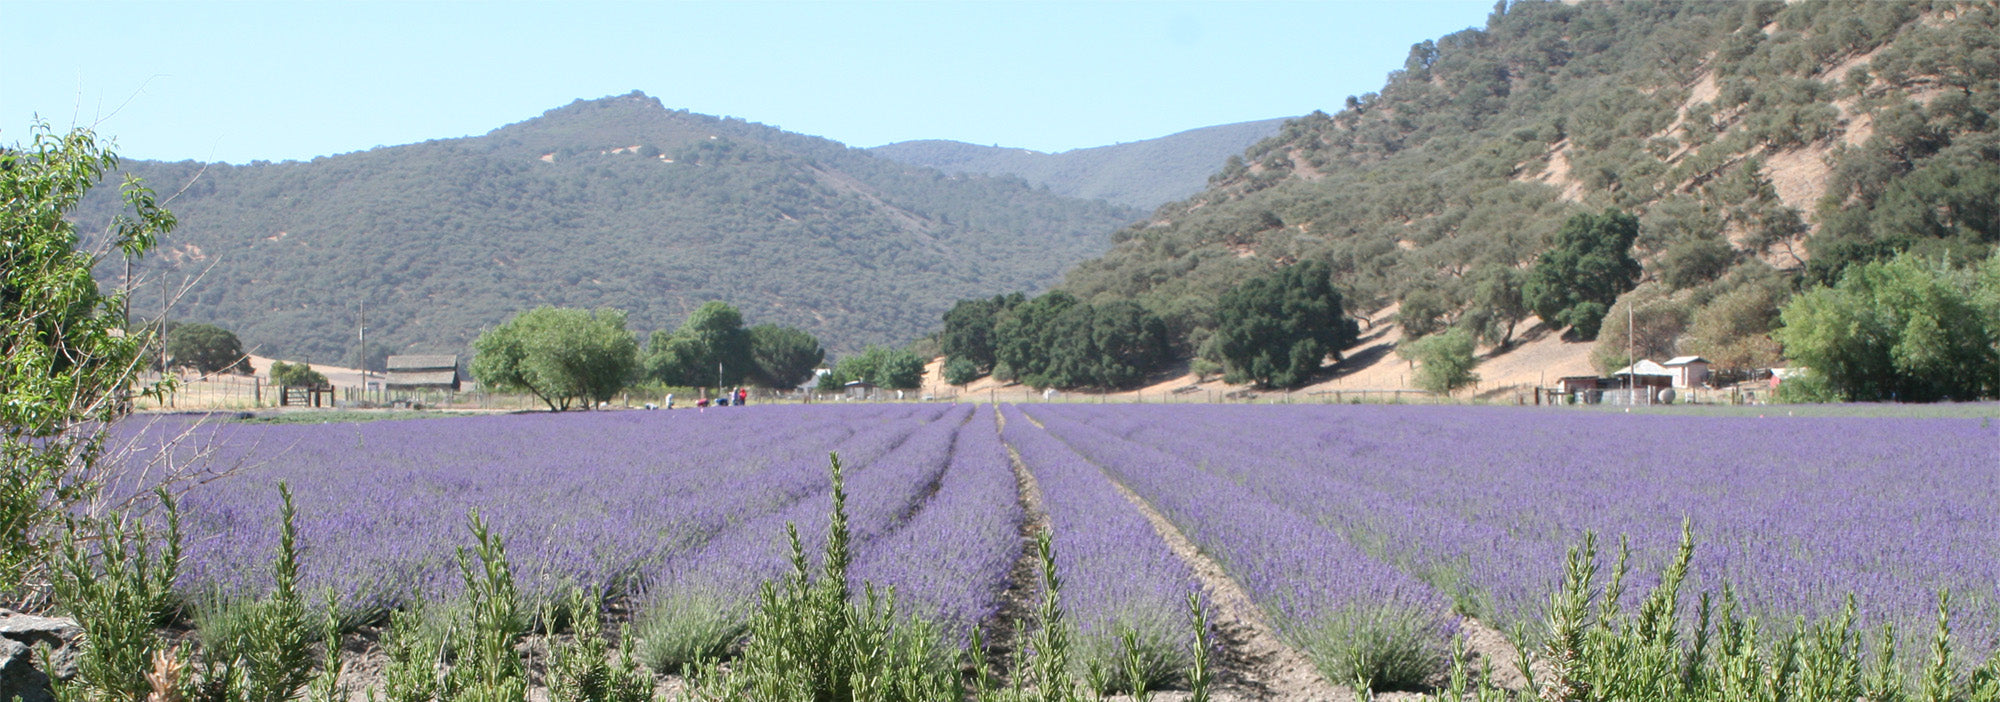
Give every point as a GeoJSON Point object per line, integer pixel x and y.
{"type": "Point", "coordinates": [1143, 174]}
{"type": "Point", "coordinates": [616, 202]}
{"type": "Point", "coordinates": [1764, 146]}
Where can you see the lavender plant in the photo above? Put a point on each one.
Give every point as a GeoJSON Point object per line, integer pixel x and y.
{"type": "Point", "coordinates": [1356, 618]}
{"type": "Point", "coordinates": [1118, 575]}
{"type": "Point", "coordinates": [1480, 502]}
{"type": "Point", "coordinates": [596, 499]}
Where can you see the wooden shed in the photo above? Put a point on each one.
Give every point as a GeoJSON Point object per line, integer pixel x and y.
{"type": "Point", "coordinates": [1688, 371]}
{"type": "Point", "coordinates": [430, 372]}
{"type": "Point", "coordinates": [1570, 385]}
{"type": "Point", "coordinates": [859, 390]}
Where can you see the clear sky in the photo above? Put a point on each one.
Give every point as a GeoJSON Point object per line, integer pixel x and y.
{"type": "Point", "coordinates": [279, 80]}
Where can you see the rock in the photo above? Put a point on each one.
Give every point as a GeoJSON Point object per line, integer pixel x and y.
{"type": "Point", "coordinates": [19, 679]}
{"type": "Point", "coordinates": [20, 634]}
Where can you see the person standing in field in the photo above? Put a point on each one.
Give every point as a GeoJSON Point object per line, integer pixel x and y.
{"type": "Point", "coordinates": [742, 396]}
{"type": "Point", "coordinates": [670, 400]}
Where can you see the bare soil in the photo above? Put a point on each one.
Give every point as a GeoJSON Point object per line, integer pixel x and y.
{"type": "Point", "coordinates": [1004, 634]}
{"type": "Point", "coordinates": [1254, 663]}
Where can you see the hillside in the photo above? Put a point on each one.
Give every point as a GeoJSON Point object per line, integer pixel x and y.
{"type": "Point", "coordinates": [1143, 174]}
{"type": "Point", "coordinates": [1763, 146]}
{"type": "Point", "coordinates": [617, 202]}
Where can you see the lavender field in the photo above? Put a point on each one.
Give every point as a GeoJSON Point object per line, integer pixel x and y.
{"type": "Point", "coordinates": [1330, 517]}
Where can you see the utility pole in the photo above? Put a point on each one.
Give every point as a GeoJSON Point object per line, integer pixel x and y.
{"type": "Point", "coordinates": [163, 326]}
{"type": "Point", "coordinates": [1631, 358]}
{"type": "Point", "coordinates": [364, 344]}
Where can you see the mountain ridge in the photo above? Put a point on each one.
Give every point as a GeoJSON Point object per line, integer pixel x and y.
{"type": "Point", "coordinates": [1143, 174]}
{"type": "Point", "coordinates": [614, 202]}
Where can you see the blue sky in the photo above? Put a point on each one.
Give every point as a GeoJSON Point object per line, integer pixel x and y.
{"type": "Point", "coordinates": [282, 80]}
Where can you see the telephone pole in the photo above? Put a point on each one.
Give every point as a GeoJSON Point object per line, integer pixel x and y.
{"type": "Point", "coordinates": [364, 343]}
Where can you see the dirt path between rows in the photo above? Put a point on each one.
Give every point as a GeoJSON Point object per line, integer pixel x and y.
{"type": "Point", "coordinates": [1010, 627]}
{"type": "Point", "coordinates": [1254, 663]}
{"type": "Point", "coordinates": [1257, 665]}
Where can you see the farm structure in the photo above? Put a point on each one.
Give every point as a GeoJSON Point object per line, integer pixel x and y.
{"type": "Point", "coordinates": [1688, 371]}
{"type": "Point", "coordinates": [428, 372]}
{"type": "Point", "coordinates": [1325, 515]}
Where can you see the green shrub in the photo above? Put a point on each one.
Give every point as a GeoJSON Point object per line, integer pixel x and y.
{"type": "Point", "coordinates": [1592, 649]}
{"type": "Point", "coordinates": [120, 591]}
{"type": "Point", "coordinates": [807, 641]}
{"type": "Point", "coordinates": [581, 670]}
{"type": "Point", "coordinates": [1378, 647]}
{"type": "Point", "coordinates": [682, 628]}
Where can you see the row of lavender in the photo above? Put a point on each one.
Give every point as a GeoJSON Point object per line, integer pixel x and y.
{"type": "Point", "coordinates": [934, 520]}
{"type": "Point", "coordinates": [1353, 616]}
{"type": "Point", "coordinates": [1118, 577]}
{"type": "Point", "coordinates": [1481, 503]}
{"type": "Point", "coordinates": [637, 502]}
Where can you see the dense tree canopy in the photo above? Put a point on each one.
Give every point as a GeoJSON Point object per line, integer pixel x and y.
{"type": "Point", "coordinates": [563, 356]}
{"type": "Point", "coordinates": [968, 329]}
{"type": "Point", "coordinates": [783, 357]}
{"type": "Point", "coordinates": [206, 348]}
{"type": "Point", "coordinates": [895, 369]}
{"type": "Point", "coordinates": [1907, 329]}
{"type": "Point", "coordinates": [1574, 283]}
{"type": "Point", "coordinates": [710, 349]}
{"type": "Point", "coordinates": [1058, 341]}
{"type": "Point", "coordinates": [1276, 329]}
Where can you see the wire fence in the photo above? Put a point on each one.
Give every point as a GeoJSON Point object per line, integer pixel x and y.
{"type": "Point", "coordinates": [233, 392]}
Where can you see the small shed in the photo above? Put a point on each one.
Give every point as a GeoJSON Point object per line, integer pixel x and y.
{"type": "Point", "coordinates": [429, 372]}
{"type": "Point", "coordinates": [1645, 374]}
{"type": "Point", "coordinates": [859, 389]}
{"type": "Point", "coordinates": [1688, 371]}
{"type": "Point", "coordinates": [1571, 385]}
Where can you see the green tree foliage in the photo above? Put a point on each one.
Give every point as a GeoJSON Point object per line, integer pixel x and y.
{"type": "Point", "coordinates": [1733, 331]}
{"type": "Point", "coordinates": [960, 372]}
{"type": "Point", "coordinates": [1276, 329]}
{"type": "Point", "coordinates": [881, 366]}
{"type": "Point", "coordinates": [562, 356]}
{"type": "Point", "coordinates": [1695, 260]}
{"type": "Point", "coordinates": [1496, 306]}
{"type": "Point", "coordinates": [1058, 341]}
{"type": "Point", "coordinates": [1907, 329]}
{"type": "Point", "coordinates": [296, 375]}
{"type": "Point", "coordinates": [783, 357]}
{"type": "Point", "coordinates": [968, 329]}
{"type": "Point", "coordinates": [1425, 310]}
{"type": "Point", "coordinates": [206, 348]}
{"type": "Point", "coordinates": [1648, 322]}
{"type": "Point", "coordinates": [66, 359]}
{"type": "Point", "coordinates": [711, 347]}
{"type": "Point", "coordinates": [1574, 283]}
{"type": "Point", "coordinates": [1444, 361]}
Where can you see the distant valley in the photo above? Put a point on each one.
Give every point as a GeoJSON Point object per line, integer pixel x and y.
{"type": "Point", "coordinates": [1143, 174]}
